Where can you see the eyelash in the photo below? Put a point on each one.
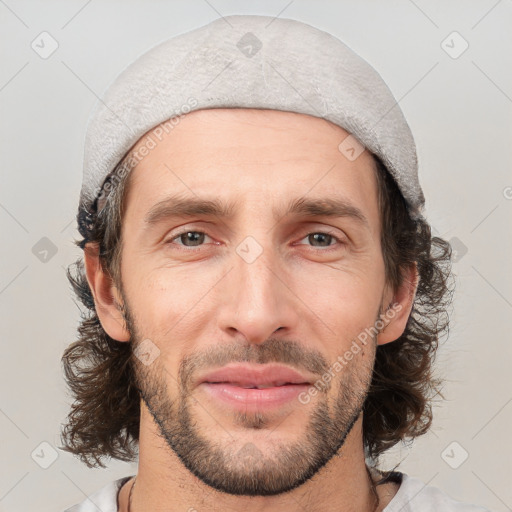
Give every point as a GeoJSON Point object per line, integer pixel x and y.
{"type": "Point", "coordinates": [195, 249]}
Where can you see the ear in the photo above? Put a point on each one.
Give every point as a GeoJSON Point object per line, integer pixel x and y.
{"type": "Point", "coordinates": [400, 305]}
{"type": "Point", "coordinates": [107, 298]}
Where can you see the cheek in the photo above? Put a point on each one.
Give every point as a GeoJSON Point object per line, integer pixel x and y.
{"type": "Point", "coordinates": [169, 303]}
{"type": "Point", "coordinates": [341, 291]}
{"type": "Point", "coordinates": [346, 302]}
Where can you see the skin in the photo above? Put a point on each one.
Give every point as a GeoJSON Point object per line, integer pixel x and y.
{"type": "Point", "coordinates": [296, 294]}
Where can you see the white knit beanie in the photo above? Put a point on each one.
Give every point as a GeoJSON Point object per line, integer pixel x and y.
{"type": "Point", "coordinates": [250, 61]}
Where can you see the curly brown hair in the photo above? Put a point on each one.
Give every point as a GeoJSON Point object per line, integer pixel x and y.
{"type": "Point", "coordinates": [105, 414]}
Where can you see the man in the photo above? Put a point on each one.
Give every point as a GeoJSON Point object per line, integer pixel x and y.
{"type": "Point", "coordinates": [265, 296]}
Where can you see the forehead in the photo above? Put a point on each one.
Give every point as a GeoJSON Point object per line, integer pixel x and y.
{"type": "Point", "coordinates": [249, 157]}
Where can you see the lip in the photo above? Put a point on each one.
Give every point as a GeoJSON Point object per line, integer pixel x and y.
{"type": "Point", "coordinates": [232, 386]}
{"type": "Point", "coordinates": [252, 400]}
{"type": "Point", "coordinates": [245, 376]}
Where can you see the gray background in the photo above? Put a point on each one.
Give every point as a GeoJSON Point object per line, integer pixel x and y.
{"type": "Point", "coordinates": [459, 110]}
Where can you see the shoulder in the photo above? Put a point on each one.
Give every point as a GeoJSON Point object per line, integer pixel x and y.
{"type": "Point", "coordinates": [414, 495]}
{"type": "Point", "coordinates": [104, 500]}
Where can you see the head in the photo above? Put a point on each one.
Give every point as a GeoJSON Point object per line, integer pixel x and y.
{"type": "Point", "coordinates": [271, 279]}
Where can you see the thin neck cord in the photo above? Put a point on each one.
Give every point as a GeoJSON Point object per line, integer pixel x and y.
{"type": "Point", "coordinates": [374, 490]}
{"type": "Point", "coordinates": [130, 495]}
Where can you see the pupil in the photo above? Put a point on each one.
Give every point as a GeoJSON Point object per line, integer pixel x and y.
{"type": "Point", "coordinates": [196, 237]}
{"type": "Point", "coordinates": [316, 235]}
{"type": "Point", "coordinates": [192, 236]}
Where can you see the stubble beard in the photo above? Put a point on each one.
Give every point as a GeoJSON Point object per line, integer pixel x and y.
{"type": "Point", "coordinates": [242, 467]}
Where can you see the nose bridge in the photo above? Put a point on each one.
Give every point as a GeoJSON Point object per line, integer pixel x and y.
{"type": "Point", "coordinates": [259, 302]}
{"type": "Point", "coordinates": [256, 269]}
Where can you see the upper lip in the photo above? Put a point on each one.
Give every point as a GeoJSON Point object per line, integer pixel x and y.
{"type": "Point", "coordinates": [245, 375]}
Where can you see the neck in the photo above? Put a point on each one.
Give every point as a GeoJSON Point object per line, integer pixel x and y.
{"type": "Point", "coordinates": [164, 484]}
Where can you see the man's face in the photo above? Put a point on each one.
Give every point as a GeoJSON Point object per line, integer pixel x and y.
{"type": "Point", "coordinates": [258, 286]}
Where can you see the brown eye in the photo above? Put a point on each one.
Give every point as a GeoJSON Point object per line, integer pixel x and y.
{"type": "Point", "coordinates": [320, 239]}
{"type": "Point", "coordinates": [323, 239]}
{"type": "Point", "coordinates": [189, 238]}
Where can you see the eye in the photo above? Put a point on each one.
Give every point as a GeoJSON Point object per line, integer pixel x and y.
{"type": "Point", "coordinates": [323, 238]}
{"type": "Point", "coordinates": [189, 238]}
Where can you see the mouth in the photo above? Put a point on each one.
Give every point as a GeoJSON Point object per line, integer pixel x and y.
{"type": "Point", "coordinates": [256, 376]}
{"type": "Point", "coordinates": [249, 387]}
{"type": "Point", "coordinates": [256, 386]}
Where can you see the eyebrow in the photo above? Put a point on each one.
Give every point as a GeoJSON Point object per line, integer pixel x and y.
{"type": "Point", "coordinates": [180, 206]}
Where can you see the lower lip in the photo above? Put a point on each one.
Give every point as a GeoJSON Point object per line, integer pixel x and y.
{"type": "Point", "coordinates": [254, 398]}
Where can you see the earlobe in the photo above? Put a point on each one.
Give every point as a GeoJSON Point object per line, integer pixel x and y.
{"type": "Point", "coordinates": [396, 316]}
{"type": "Point", "coordinates": [107, 299]}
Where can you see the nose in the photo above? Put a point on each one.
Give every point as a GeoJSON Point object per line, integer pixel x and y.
{"type": "Point", "coordinates": [259, 300]}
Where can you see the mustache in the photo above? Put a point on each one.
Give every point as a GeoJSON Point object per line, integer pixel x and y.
{"type": "Point", "coordinates": [272, 350]}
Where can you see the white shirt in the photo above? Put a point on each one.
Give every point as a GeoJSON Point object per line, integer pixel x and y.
{"type": "Point", "coordinates": [412, 496]}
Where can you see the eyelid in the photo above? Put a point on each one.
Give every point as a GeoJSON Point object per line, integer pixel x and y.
{"type": "Point", "coordinates": [174, 236]}
{"type": "Point", "coordinates": [340, 239]}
